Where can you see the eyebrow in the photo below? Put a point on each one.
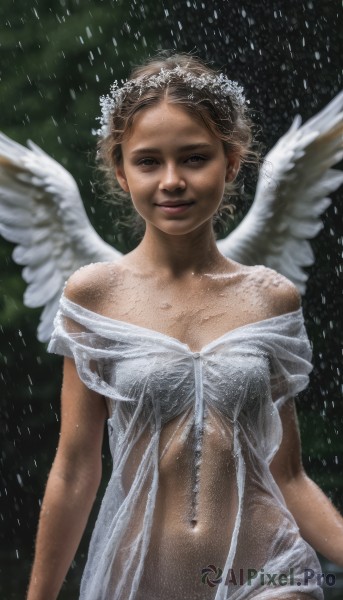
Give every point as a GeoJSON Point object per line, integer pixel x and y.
{"type": "Point", "coordinates": [187, 148]}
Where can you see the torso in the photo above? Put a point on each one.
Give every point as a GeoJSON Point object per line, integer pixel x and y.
{"type": "Point", "coordinates": [196, 311]}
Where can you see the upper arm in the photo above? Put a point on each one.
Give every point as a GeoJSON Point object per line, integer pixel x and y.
{"type": "Point", "coordinates": [287, 462]}
{"type": "Point", "coordinates": [83, 411]}
{"type": "Point", "coordinates": [83, 416]}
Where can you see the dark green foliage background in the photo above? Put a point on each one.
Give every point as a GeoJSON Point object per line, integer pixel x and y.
{"type": "Point", "coordinates": [56, 58]}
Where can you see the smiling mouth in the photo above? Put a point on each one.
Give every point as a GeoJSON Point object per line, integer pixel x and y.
{"type": "Point", "coordinates": [175, 204]}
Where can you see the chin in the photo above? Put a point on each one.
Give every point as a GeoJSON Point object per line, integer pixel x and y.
{"type": "Point", "coordinates": [177, 228]}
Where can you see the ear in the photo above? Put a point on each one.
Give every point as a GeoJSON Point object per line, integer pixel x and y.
{"type": "Point", "coordinates": [121, 177]}
{"type": "Point", "coordinates": [232, 167]}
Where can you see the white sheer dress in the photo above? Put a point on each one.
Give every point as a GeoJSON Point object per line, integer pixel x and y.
{"type": "Point", "coordinates": [191, 510]}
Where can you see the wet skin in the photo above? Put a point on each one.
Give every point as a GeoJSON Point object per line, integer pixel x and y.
{"type": "Point", "coordinates": [178, 283]}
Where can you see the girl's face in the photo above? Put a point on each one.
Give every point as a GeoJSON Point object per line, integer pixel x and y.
{"type": "Point", "coordinates": [174, 168]}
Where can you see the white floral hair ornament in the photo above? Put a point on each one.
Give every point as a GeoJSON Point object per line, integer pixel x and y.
{"type": "Point", "coordinates": [218, 85]}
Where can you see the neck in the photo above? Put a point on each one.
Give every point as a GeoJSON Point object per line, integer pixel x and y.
{"type": "Point", "coordinates": [180, 255]}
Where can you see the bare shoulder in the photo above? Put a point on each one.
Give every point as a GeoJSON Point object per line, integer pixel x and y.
{"type": "Point", "coordinates": [90, 285]}
{"type": "Point", "coordinates": [278, 294]}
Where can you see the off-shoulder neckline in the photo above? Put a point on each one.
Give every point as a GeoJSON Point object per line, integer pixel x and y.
{"type": "Point", "coordinates": [172, 339]}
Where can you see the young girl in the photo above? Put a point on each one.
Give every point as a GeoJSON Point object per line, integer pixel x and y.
{"type": "Point", "coordinates": [193, 360]}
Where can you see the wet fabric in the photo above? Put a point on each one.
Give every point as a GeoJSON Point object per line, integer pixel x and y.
{"type": "Point", "coordinates": [191, 510]}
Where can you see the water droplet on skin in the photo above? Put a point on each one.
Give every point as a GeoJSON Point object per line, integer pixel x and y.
{"type": "Point", "coordinates": [165, 305]}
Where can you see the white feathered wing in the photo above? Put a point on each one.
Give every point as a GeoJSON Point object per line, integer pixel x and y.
{"type": "Point", "coordinates": [41, 211]}
{"type": "Point", "coordinates": [292, 192]}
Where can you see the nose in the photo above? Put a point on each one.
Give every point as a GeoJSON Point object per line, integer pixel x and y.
{"type": "Point", "coordinates": [172, 179]}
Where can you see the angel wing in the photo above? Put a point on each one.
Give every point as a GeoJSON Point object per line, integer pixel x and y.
{"type": "Point", "coordinates": [42, 212]}
{"type": "Point", "coordinates": [291, 194]}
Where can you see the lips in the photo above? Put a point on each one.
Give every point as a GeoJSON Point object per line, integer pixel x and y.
{"type": "Point", "coordinates": [174, 207]}
{"type": "Point", "coordinates": [175, 203]}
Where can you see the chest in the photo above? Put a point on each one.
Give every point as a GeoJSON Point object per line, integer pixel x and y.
{"type": "Point", "coordinates": [228, 377]}
{"type": "Point", "coordinates": [194, 313]}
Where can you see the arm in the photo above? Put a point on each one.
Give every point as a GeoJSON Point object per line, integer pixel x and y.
{"type": "Point", "coordinates": [319, 522]}
{"type": "Point", "coordinates": [71, 487]}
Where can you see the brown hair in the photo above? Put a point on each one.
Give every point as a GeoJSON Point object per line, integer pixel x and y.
{"type": "Point", "coordinates": [228, 121]}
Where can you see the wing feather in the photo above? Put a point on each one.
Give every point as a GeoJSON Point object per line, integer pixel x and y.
{"type": "Point", "coordinates": [41, 211]}
{"type": "Point", "coordinates": [292, 192]}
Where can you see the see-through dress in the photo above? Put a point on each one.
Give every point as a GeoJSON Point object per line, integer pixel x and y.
{"type": "Point", "coordinates": [170, 410]}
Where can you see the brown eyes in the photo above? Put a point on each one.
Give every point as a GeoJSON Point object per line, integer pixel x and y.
{"type": "Point", "coordinates": [146, 162]}
{"type": "Point", "coordinates": [194, 159]}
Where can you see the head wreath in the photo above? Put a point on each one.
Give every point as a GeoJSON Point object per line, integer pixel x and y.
{"type": "Point", "coordinates": [218, 86]}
